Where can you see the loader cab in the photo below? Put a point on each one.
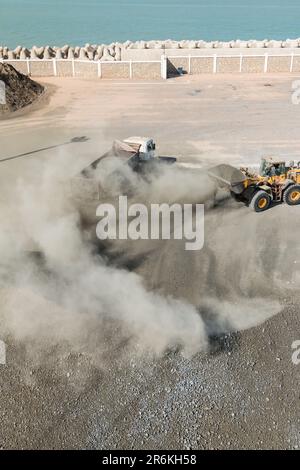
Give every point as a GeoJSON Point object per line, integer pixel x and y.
{"type": "Point", "coordinates": [270, 167]}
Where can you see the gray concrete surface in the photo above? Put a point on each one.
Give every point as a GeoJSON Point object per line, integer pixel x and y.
{"type": "Point", "coordinates": [244, 391]}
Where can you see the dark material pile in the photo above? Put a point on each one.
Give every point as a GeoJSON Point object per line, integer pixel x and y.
{"type": "Point", "coordinates": [20, 90]}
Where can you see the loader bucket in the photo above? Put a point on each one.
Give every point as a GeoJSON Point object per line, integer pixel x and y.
{"type": "Point", "coordinates": [229, 177]}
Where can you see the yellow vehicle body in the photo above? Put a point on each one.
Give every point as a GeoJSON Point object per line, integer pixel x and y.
{"type": "Point", "coordinates": [276, 181]}
{"type": "Point", "coordinates": [279, 181]}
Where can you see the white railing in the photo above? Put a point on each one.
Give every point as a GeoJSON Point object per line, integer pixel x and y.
{"type": "Point", "coordinates": [241, 57]}
{"type": "Point", "coordinates": [99, 63]}
{"type": "Point", "coordinates": [163, 63]}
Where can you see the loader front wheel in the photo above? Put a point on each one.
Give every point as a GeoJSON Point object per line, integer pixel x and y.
{"type": "Point", "coordinates": [292, 195]}
{"type": "Point", "coordinates": [261, 201]}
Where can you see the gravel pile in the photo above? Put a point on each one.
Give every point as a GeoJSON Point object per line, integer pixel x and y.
{"type": "Point", "coordinates": [20, 90]}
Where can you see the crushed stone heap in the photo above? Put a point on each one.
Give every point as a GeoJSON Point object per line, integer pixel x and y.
{"type": "Point", "coordinates": [20, 90]}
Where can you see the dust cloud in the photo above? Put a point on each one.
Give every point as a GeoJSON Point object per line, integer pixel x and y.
{"type": "Point", "coordinates": [56, 286]}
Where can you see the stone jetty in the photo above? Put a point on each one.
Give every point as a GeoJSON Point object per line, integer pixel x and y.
{"type": "Point", "coordinates": [116, 51]}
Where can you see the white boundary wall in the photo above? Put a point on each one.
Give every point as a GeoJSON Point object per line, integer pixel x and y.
{"type": "Point", "coordinates": [154, 69]}
{"type": "Point", "coordinates": [90, 68]}
{"type": "Point", "coordinates": [265, 63]}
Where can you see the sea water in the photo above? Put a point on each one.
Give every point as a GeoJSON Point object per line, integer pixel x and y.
{"type": "Point", "coordinates": [43, 22]}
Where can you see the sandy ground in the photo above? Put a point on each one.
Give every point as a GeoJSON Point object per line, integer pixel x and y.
{"type": "Point", "coordinates": [242, 393]}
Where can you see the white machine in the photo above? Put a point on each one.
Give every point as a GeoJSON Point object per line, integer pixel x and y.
{"type": "Point", "coordinates": [144, 145]}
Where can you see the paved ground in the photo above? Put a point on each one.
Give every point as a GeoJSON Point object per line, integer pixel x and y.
{"type": "Point", "coordinates": [96, 389]}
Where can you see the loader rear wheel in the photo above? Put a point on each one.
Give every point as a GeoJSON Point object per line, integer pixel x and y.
{"type": "Point", "coordinates": [261, 201]}
{"type": "Point", "coordinates": [292, 195]}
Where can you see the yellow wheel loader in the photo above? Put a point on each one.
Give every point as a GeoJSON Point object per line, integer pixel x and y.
{"type": "Point", "coordinates": [277, 181]}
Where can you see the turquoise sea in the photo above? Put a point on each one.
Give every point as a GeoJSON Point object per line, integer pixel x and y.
{"type": "Point", "coordinates": [42, 22]}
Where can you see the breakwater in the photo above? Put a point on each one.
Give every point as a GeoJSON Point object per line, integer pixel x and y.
{"type": "Point", "coordinates": [121, 51]}
{"type": "Point", "coordinates": [156, 59]}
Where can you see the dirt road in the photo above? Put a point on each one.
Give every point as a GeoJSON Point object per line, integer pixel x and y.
{"type": "Point", "coordinates": [243, 392]}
